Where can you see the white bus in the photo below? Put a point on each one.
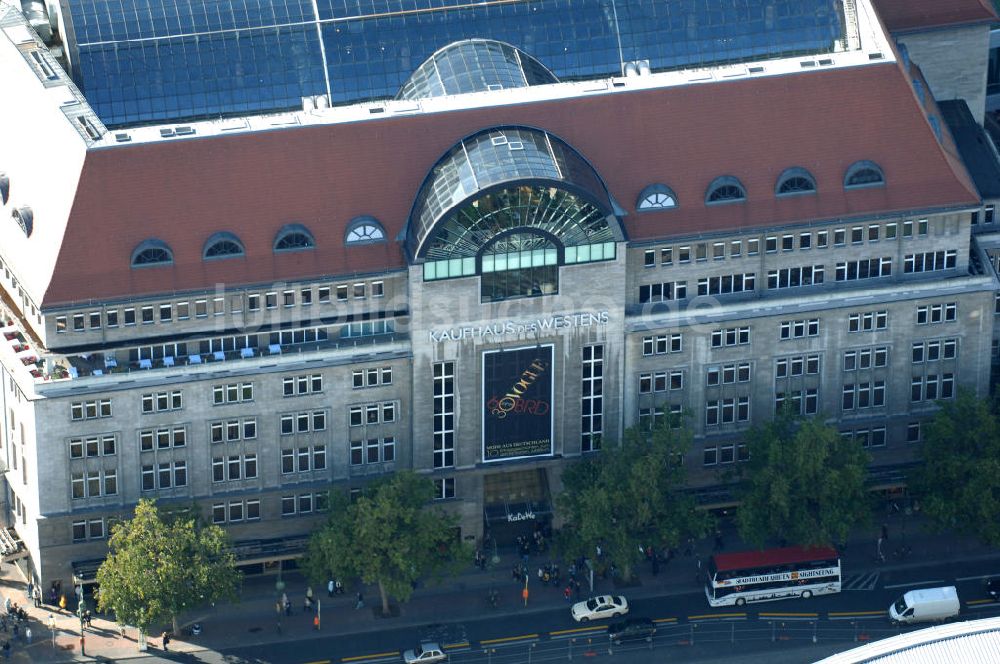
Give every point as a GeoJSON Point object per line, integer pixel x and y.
{"type": "Point", "coordinates": [762, 576]}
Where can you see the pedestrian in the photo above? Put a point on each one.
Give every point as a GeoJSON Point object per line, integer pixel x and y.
{"type": "Point", "coordinates": [338, 587]}
{"type": "Point", "coordinates": [31, 591]}
{"type": "Point", "coordinates": [719, 543]}
{"type": "Point", "coordinates": [6, 605]}
{"type": "Point", "coordinates": [309, 598]}
{"type": "Point", "coordinates": [166, 639]}
{"type": "Point", "coordinates": [316, 622]}
{"type": "Point", "coordinates": [308, 604]}
{"type": "Point", "coordinates": [87, 618]}
{"type": "Point", "coordinates": [27, 634]}
{"type": "Point", "coordinates": [17, 632]}
{"type": "Point", "coordinates": [288, 607]}
{"type": "Point", "coordinates": [329, 588]}
{"type": "Point", "coordinates": [62, 602]}
{"type": "Point", "coordinates": [6, 650]}
{"type": "Point", "coordinates": [359, 602]}
{"type": "Point", "coordinates": [567, 592]}
{"type": "Point", "coordinates": [38, 597]}
{"type": "Point", "coordinates": [515, 572]}
{"type": "Point", "coordinates": [879, 554]}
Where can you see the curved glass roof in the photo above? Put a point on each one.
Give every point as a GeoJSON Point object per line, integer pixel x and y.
{"type": "Point", "coordinates": [151, 60]}
{"type": "Point", "coordinates": [452, 213]}
{"type": "Point", "coordinates": [474, 65]}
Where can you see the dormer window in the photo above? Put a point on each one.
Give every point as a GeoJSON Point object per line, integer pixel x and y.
{"type": "Point", "coordinates": [152, 253]}
{"type": "Point", "coordinates": [364, 230]}
{"type": "Point", "coordinates": [864, 174]}
{"type": "Point", "coordinates": [24, 218]}
{"type": "Point", "coordinates": [293, 237]}
{"type": "Point", "coordinates": [795, 181]}
{"type": "Point", "coordinates": [656, 197]}
{"type": "Point", "coordinates": [725, 189]}
{"type": "Point", "coordinates": [223, 245]}
{"type": "Point", "coordinates": [4, 189]}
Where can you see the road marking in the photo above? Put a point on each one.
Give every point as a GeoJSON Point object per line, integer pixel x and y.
{"type": "Point", "coordinates": [664, 620]}
{"type": "Point", "coordinates": [788, 616]}
{"type": "Point", "coordinates": [596, 628]}
{"type": "Point", "coordinates": [508, 639]}
{"type": "Point", "coordinates": [979, 601]}
{"type": "Point", "coordinates": [975, 578]}
{"type": "Point", "coordinates": [319, 661]}
{"type": "Point", "coordinates": [464, 645]}
{"type": "Point", "coordinates": [719, 616]}
{"type": "Point", "coordinates": [855, 615]}
{"type": "Point", "coordinates": [866, 581]}
{"type": "Point", "coordinates": [382, 656]}
{"type": "Point", "coordinates": [913, 583]}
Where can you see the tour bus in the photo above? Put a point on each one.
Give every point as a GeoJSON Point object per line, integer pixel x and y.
{"type": "Point", "coordinates": [762, 576]}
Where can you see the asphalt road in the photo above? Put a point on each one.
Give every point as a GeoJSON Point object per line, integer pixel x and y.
{"type": "Point", "coordinates": [688, 629]}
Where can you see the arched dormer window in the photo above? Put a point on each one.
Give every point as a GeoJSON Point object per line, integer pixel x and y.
{"type": "Point", "coordinates": [293, 237]}
{"type": "Point", "coordinates": [4, 189]}
{"type": "Point", "coordinates": [364, 230]}
{"type": "Point", "coordinates": [725, 189]}
{"type": "Point", "coordinates": [863, 174]}
{"type": "Point", "coordinates": [656, 197]}
{"type": "Point", "coordinates": [24, 218]}
{"type": "Point", "coordinates": [223, 245]}
{"type": "Point", "coordinates": [795, 181]}
{"type": "Point", "coordinates": [152, 253]}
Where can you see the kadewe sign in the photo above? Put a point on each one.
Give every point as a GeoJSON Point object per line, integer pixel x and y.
{"type": "Point", "coordinates": [517, 403]}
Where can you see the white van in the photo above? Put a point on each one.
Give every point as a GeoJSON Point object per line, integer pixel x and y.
{"type": "Point", "coordinates": [936, 604]}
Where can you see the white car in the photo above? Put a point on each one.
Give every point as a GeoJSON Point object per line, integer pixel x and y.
{"type": "Point", "coordinates": [595, 608]}
{"type": "Point", "coordinates": [425, 653]}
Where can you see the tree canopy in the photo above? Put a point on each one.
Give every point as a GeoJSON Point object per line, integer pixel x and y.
{"type": "Point", "coordinates": [629, 495]}
{"type": "Point", "coordinates": [160, 564]}
{"type": "Point", "coordinates": [389, 536]}
{"type": "Point", "coordinates": [958, 484]}
{"type": "Point", "coordinates": [804, 483]}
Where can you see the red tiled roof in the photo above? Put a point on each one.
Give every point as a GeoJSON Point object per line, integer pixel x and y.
{"type": "Point", "coordinates": [909, 15]}
{"type": "Point", "coordinates": [252, 184]}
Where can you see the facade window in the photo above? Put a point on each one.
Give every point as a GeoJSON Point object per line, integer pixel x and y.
{"type": "Point", "coordinates": [234, 467]}
{"type": "Point", "coordinates": [866, 358]}
{"type": "Point", "coordinates": [866, 438]}
{"type": "Point", "coordinates": [661, 381]}
{"type": "Point", "coordinates": [870, 268]}
{"type": "Point", "coordinates": [930, 261]}
{"type": "Point", "coordinates": [303, 503]}
{"type": "Point", "coordinates": [797, 329]}
{"type": "Point", "coordinates": [303, 459]}
{"type": "Point", "coordinates": [444, 488]}
{"type": "Point", "coordinates": [232, 393]}
{"type": "Point", "coordinates": [157, 402]}
{"type": "Point", "coordinates": [937, 313]}
{"type": "Point", "coordinates": [793, 277]}
{"type": "Point", "coordinates": [656, 197]}
{"type": "Point", "coordinates": [592, 399]}
{"type": "Point", "coordinates": [233, 430]}
{"type": "Point", "coordinates": [868, 321]}
{"type": "Point", "coordinates": [932, 351]}
{"type": "Point", "coordinates": [293, 237]}
{"type": "Point", "coordinates": [795, 181]}
{"type": "Point", "coordinates": [727, 411]}
{"type": "Point", "coordinates": [661, 344]}
{"type": "Point", "coordinates": [663, 292]}
{"type": "Point", "coordinates": [863, 174]}
{"type": "Point", "coordinates": [293, 386]}
{"type": "Point", "coordinates": [364, 230]}
{"type": "Point", "coordinates": [798, 365]}
{"type": "Point", "coordinates": [731, 336]}
{"type": "Point", "coordinates": [649, 258]}
{"type": "Point", "coordinates": [727, 374]}
{"type": "Point", "coordinates": [152, 253]}
{"type": "Point", "coordinates": [93, 483]}
{"type": "Point", "coordinates": [932, 387]}
{"type": "Point", "coordinates": [92, 446]}
{"type": "Point", "coordinates": [444, 414]}
{"type": "Point", "coordinates": [913, 432]}
{"type": "Point", "coordinates": [729, 283]}
{"type": "Point", "coordinates": [90, 410]}
{"type": "Point", "coordinates": [372, 377]}
{"type": "Point", "coordinates": [91, 529]}
{"type": "Point", "coordinates": [304, 422]}
{"type": "Point", "coordinates": [867, 394]}
{"type": "Point", "coordinates": [802, 402]}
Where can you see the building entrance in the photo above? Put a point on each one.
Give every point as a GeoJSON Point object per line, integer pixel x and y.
{"type": "Point", "coordinates": [516, 504]}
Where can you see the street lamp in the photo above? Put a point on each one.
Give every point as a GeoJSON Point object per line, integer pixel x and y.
{"type": "Point", "coordinates": [81, 608]}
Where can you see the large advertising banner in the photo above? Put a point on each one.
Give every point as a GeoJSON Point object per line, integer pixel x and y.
{"type": "Point", "coordinates": [517, 403]}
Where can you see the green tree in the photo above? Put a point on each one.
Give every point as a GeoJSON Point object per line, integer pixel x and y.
{"type": "Point", "coordinates": [389, 536]}
{"type": "Point", "coordinates": [959, 481]}
{"type": "Point", "coordinates": [629, 495]}
{"type": "Point", "coordinates": [804, 484]}
{"type": "Point", "coordinates": [161, 564]}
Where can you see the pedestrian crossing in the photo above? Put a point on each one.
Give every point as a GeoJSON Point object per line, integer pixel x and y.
{"type": "Point", "coordinates": [866, 581]}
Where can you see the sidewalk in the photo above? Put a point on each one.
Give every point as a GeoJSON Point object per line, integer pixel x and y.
{"type": "Point", "coordinates": [254, 621]}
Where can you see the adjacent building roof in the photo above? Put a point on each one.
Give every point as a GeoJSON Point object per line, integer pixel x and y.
{"type": "Point", "coordinates": [141, 61]}
{"type": "Point", "coordinates": [916, 15]}
{"type": "Point", "coordinates": [968, 641]}
{"type": "Point", "coordinates": [978, 152]}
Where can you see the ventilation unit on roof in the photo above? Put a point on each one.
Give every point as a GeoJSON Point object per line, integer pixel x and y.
{"type": "Point", "coordinates": [166, 132]}
{"type": "Point", "coordinates": [755, 70]}
{"type": "Point", "coordinates": [122, 137]}
{"type": "Point", "coordinates": [184, 131]}
{"type": "Point", "coordinates": [376, 109]}
{"type": "Point", "coordinates": [89, 127]}
{"type": "Point", "coordinates": [38, 18]}
{"type": "Point", "coordinates": [875, 56]}
{"type": "Point", "coordinates": [637, 68]}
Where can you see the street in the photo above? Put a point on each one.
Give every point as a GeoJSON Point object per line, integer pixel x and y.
{"type": "Point", "coordinates": [688, 629]}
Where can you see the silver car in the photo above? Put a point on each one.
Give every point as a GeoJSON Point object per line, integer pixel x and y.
{"type": "Point", "coordinates": [425, 653]}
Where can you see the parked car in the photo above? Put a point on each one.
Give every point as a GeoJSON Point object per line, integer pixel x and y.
{"type": "Point", "coordinates": [595, 608]}
{"type": "Point", "coordinates": [993, 588]}
{"type": "Point", "coordinates": [425, 653]}
{"type": "Point", "coordinates": [632, 629]}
